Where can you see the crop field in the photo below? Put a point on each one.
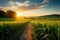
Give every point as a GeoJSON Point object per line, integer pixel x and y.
{"type": "Point", "coordinates": [12, 30]}
{"type": "Point", "coordinates": [45, 29]}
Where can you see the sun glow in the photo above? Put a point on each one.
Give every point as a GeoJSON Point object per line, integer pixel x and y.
{"type": "Point", "coordinates": [19, 13]}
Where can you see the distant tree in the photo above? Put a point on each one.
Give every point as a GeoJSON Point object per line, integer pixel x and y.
{"type": "Point", "coordinates": [2, 14]}
{"type": "Point", "coordinates": [11, 14]}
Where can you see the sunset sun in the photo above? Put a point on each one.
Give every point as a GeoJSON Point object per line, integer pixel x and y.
{"type": "Point", "coordinates": [19, 13]}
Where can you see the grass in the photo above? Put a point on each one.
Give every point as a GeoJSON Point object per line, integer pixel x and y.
{"type": "Point", "coordinates": [7, 19]}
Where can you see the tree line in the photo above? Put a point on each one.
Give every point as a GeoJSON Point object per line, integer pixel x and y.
{"type": "Point", "coordinates": [8, 14]}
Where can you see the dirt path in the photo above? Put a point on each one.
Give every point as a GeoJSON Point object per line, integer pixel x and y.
{"type": "Point", "coordinates": [26, 35]}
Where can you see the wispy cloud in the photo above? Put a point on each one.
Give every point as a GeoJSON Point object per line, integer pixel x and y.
{"type": "Point", "coordinates": [27, 5]}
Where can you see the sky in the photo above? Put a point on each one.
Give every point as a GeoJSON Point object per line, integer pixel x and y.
{"type": "Point", "coordinates": [32, 7]}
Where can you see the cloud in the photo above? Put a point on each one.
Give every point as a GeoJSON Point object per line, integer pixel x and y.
{"type": "Point", "coordinates": [22, 4]}
{"type": "Point", "coordinates": [5, 8]}
{"type": "Point", "coordinates": [11, 2]}
{"type": "Point", "coordinates": [26, 5]}
{"type": "Point", "coordinates": [45, 1]}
